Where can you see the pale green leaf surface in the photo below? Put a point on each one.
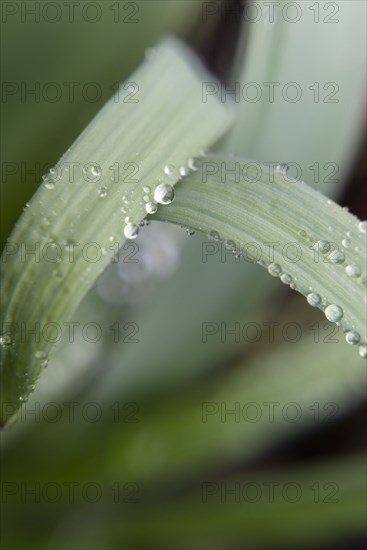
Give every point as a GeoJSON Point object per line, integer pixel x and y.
{"type": "Point", "coordinates": [85, 208]}
{"type": "Point", "coordinates": [314, 245]}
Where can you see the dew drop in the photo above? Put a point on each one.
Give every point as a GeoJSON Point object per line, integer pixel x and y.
{"type": "Point", "coordinates": [336, 257]}
{"type": "Point", "coordinates": [274, 269]}
{"type": "Point", "coordinates": [363, 351]}
{"type": "Point", "coordinates": [190, 231]}
{"type": "Point", "coordinates": [164, 193]}
{"type": "Point", "coordinates": [102, 192]}
{"type": "Point", "coordinates": [230, 245]}
{"type": "Point", "coordinates": [303, 234]}
{"type": "Point", "coordinates": [281, 169]}
{"type": "Point", "coordinates": [6, 340]}
{"type": "Point", "coordinates": [323, 246]}
{"type": "Point", "coordinates": [352, 337]}
{"type": "Point", "coordinates": [191, 164]}
{"type": "Point", "coordinates": [95, 170]}
{"type": "Point", "coordinates": [169, 169]}
{"type": "Point", "coordinates": [131, 231]}
{"type": "Point", "coordinates": [362, 226]}
{"type": "Point", "coordinates": [49, 185]}
{"type": "Point", "coordinates": [352, 270]}
{"type": "Point", "coordinates": [183, 171]}
{"type": "Point", "coordinates": [151, 207]}
{"type": "Point", "coordinates": [146, 189]}
{"type": "Point", "coordinates": [286, 279]}
{"type": "Point", "coordinates": [213, 236]}
{"type": "Point", "coordinates": [346, 243]}
{"type": "Point", "coordinates": [313, 299]}
{"type": "Point", "coordinates": [333, 313]}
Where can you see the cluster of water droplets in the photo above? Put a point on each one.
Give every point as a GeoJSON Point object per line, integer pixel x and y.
{"type": "Point", "coordinates": [334, 312]}
{"type": "Point", "coordinates": [162, 194]}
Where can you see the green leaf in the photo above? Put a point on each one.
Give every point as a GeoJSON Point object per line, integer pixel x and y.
{"type": "Point", "coordinates": [311, 243]}
{"type": "Point", "coordinates": [94, 199]}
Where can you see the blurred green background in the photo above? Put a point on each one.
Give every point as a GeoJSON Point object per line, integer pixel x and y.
{"type": "Point", "coordinates": [174, 440]}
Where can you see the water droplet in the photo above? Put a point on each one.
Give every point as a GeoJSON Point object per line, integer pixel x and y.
{"type": "Point", "coordinates": [274, 269]}
{"type": "Point", "coordinates": [183, 171]}
{"type": "Point", "coordinates": [146, 189]}
{"type": "Point", "coordinates": [352, 337]}
{"type": "Point", "coordinates": [323, 246]}
{"type": "Point", "coordinates": [164, 193]}
{"type": "Point", "coordinates": [286, 279]}
{"type": "Point", "coordinates": [95, 170]}
{"type": "Point", "coordinates": [333, 313]}
{"type": "Point", "coordinates": [313, 299]}
{"type": "Point", "coordinates": [151, 207]}
{"type": "Point", "coordinates": [363, 351]}
{"type": "Point", "coordinates": [49, 185]}
{"type": "Point", "coordinates": [169, 169]}
{"type": "Point", "coordinates": [127, 219]}
{"type": "Point", "coordinates": [190, 231]}
{"type": "Point", "coordinates": [6, 340]}
{"type": "Point", "coordinates": [230, 245]}
{"type": "Point", "coordinates": [281, 169]}
{"type": "Point", "coordinates": [214, 236]}
{"type": "Point", "coordinates": [125, 200]}
{"type": "Point", "coordinates": [146, 198]}
{"type": "Point", "coordinates": [352, 270]}
{"type": "Point", "coordinates": [336, 257]}
{"type": "Point", "coordinates": [191, 164]}
{"type": "Point", "coordinates": [102, 192]}
{"type": "Point", "coordinates": [346, 243]}
{"type": "Point", "coordinates": [131, 231]}
{"type": "Point", "coordinates": [362, 226]}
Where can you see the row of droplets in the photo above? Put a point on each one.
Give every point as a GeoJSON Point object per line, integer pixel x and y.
{"type": "Point", "coordinates": [333, 312]}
